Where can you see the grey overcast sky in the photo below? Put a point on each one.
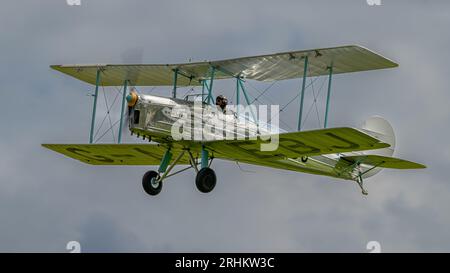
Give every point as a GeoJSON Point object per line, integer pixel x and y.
{"type": "Point", "coordinates": [47, 200]}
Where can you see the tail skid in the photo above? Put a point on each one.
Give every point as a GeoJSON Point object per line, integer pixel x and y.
{"type": "Point", "coordinates": [375, 162]}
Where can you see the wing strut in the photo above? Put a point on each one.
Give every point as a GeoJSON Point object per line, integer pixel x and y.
{"type": "Point", "coordinates": [240, 86]}
{"type": "Point", "coordinates": [97, 83]}
{"type": "Point", "coordinates": [175, 79]}
{"type": "Point", "coordinates": [302, 91]}
{"type": "Point", "coordinates": [209, 99]}
{"type": "Point", "coordinates": [328, 96]}
{"type": "Point", "coordinates": [302, 96]}
{"type": "Point", "coordinates": [124, 94]}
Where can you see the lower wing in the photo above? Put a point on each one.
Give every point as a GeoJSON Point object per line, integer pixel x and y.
{"type": "Point", "coordinates": [115, 154]}
{"type": "Point", "coordinates": [290, 145]}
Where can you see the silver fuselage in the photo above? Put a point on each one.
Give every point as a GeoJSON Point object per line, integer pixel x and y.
{"type": "Point", "coordinates": [153, 117]}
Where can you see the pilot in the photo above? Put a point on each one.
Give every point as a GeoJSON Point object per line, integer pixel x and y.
{"type": "Point", "coordinates": [222, 102]}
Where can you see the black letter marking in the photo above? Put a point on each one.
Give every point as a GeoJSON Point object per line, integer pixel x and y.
{"type": "Point", "coordinates": [94, 158]}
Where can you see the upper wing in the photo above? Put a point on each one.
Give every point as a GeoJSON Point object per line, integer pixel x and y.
{"type": "Point", "coordinates": [297, 144]}
{"type": "Point", "coordinates": [279, 66]}
{"type": "Point", "coordinates": [383, 162]}
{"type": "Point", "coordinates": [115, 154]}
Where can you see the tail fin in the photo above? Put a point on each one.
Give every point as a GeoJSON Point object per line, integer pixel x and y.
{"type": "Point", "coordinates": [380, 128]}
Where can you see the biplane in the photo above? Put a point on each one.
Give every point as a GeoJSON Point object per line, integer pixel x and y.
{"type": "Point", "coordinates": [346, 153]}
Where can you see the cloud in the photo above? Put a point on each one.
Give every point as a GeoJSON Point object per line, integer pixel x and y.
{"type": "Point", "coordinates": [101, 233]}
{"type": "Point", "coordinates": [47, 200]}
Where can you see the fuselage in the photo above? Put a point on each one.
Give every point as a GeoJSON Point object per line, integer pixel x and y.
{"type": "Point", "coordinates": [154, 117]}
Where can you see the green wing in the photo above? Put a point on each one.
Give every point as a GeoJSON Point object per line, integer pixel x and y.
{"type": "Point", "coordinates": [298, 144]}
{"type": "Point", "coordinates": [115, 154]}
{"type": "Point", "coordinates": [291, 145]}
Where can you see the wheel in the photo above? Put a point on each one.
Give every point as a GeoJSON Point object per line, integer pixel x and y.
{"type": "Point", "coordinates": [150, 183]}
{"type": "Point", "coordinates": [205, 180]}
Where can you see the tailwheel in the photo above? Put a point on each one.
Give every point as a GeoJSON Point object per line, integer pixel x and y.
{"type": "Point", "coordinates": [152, 183]}
{"type": "Point", "coordinates": [205, 180]}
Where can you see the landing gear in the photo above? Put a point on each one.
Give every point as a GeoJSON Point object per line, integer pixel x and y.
{"type": "Point", "coordinates": [152, 183]}
{"type": "Point", "coordinates": [205, 180]}
{"type": "Point", "coordinates": [206, 177]}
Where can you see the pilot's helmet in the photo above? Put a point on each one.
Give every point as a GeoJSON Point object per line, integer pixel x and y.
{"type": "Point", "coordinates": [221, 101]}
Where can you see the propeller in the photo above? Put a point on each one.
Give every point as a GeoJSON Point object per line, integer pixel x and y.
{"type": "Point", "coordinates": [131, 56]}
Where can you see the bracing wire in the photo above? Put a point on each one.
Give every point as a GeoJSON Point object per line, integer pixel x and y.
{"type": "Point", "coordinates": [292, 100]}
{"type": "Point", "coordinates": [242, 170]}
{"type": "Point", "coordinates": [107, 113]}
{"type": "Point", "coordinates": [314, 103]}
{"type": "Point", "coordinates": [115, 123]}
{"type": "Point", "coordinates": [263, 92]}
{"type": "Point", "coordinates": [281, 121]}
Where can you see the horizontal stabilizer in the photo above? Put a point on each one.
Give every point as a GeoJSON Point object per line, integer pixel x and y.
{"type": "Point", "coordinates": [384, 162]}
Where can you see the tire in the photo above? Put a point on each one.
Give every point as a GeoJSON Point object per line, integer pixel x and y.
{"type": "Point", "coordinates": [149, 185]}
{"type": "Point", "coordinates": [205, 180]}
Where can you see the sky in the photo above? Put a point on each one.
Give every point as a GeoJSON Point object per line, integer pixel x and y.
{"type": "Point", "coordinates": [47, 200]}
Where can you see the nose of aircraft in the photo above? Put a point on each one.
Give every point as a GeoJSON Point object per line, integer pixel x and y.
{"type": "Point", "coordinates": [132, 98]}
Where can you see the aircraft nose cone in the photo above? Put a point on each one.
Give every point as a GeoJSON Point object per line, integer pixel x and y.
{"type": "Point", "coordinates": [132, 98]}
{"type": "Point", "coordinates": [129, 98]}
